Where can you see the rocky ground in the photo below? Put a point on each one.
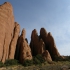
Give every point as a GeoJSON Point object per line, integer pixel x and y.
{"type": "Point", "coordinates": [63, 65]}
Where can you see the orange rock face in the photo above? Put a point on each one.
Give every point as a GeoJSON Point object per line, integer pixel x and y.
{"type": "Point", "coordinates": [49, 43]}
{"type": "Point", "coordinates": [12, 47]}
{"type": "Point", "coordinates": [25, 51]}
{"type": "Point", "coordinates": [7, 26]}
{"type": "Point", "coordinates": [37, 45]}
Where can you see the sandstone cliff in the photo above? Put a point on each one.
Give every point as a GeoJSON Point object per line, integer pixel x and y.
{"type": "Point", "coordinates": [13, 43]}
{"type": "Point", "coordinates": [8, 32]}
{"type": "Point", "coordinates": [43, 44]}
{"type": "Point", "coordinates": [49, 43]}
{"type": "Point", "coordinates": [24, 50]}
{"type": "Point", "coordinates": [37, 45]}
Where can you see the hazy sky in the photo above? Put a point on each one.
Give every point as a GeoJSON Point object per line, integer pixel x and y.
{"type": "Point", "coordinates": [53, 15]}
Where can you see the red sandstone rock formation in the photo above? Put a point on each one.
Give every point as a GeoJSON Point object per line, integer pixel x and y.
{"type": "Point", "coordinates": [12, 47]}
{"type": "Point", "coordinates": [49, 42]}
{"type": "Point", "coordinates": [9, 32]}
{"type": "Point", "coordinates": [25, 51]}
{"type": "Point", "coordinates": [37, 45]}
{"type": "Point", "coordinates": [7, 26]}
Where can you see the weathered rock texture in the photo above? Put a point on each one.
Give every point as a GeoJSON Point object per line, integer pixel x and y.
{"type": "Point", "coordinates": [13, 43]}
{"type": "Point", "coordinates": [37, 45]}
{"type": "Point", "coordinates": [24, 48]}
{"type": "Point", "coordinates": [43, 44]}
{"type": "Point", "coordinates": [8, 32]}
{"type": "Point", "coordinates": [49, 43]}
{"type": "Point", "coordinates": [47, 56]}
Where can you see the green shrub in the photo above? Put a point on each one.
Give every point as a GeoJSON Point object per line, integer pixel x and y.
{"type": "Point", "coordinates": [67, 58]}
{"type": "Point", "coordinates": [28, 63]}
{"type": "Point", "coordinates": [11, 62]}
{"type": "Point", "coordinates": [38, 59]}
{"type": "Point", "coordinates": [60, 58]}
{"type": "Point", "coordinates": [1, 64]}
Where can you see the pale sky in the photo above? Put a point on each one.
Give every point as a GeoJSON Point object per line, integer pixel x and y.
{"type": "Point", "coordinates": [53, 15]}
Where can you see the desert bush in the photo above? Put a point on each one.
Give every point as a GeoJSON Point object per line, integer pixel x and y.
{"type": "Point", "coordinates": [38, 59]}
{"type": "Point", "coordinates": [1, 64]}
{"type": "Point", "coordinates": [11, 62]}
{"type": "Point", "coordinates": [28, 63]}
{"type": "Point", "coordinates": [60, 58]}
{"type": "Point", "coordinates": [67, 58]}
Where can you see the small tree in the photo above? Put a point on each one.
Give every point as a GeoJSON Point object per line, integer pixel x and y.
{"type": "Point", "coordinates": [38, 59]}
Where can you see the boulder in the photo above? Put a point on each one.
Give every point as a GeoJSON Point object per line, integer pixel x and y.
{"type": "Point", "coordinates": [49, 43]}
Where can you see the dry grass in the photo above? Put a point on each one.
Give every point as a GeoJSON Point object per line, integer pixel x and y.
{"type": "Point", "coordinates": [44, 66]}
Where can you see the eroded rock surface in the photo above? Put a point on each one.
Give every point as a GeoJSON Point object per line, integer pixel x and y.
{"type": "Point", "coordinates": [49, 43]}
{"type": "Point", "coordinates": [12, 46]}
{"type": "Point", "coordinates": [24, 48]}
{"type": "Point", "coordinates": [47, 56]}
{"type": "Point", "coordinates": [37, 45]}
{"type": "Point", "coordinates": [7, 26]}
